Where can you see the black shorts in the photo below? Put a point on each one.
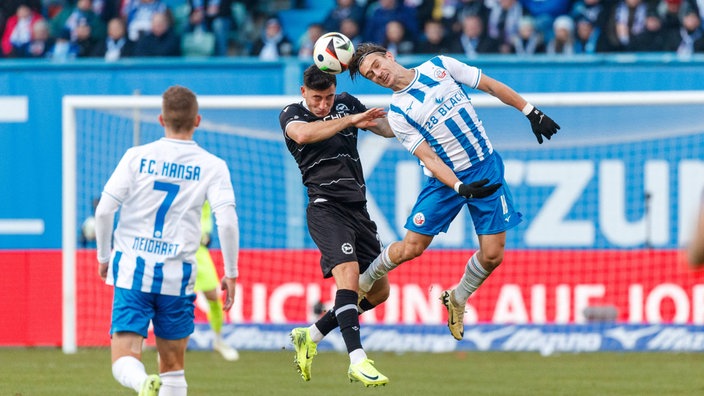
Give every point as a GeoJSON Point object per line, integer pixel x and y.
{"type": "Point", "coordinates": [343, 233]}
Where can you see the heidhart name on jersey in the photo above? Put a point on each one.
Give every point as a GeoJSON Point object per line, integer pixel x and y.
{"type": "Point", "coordinates": [169, 169]}
{"type": "Point", "coordinates": [155, 246]}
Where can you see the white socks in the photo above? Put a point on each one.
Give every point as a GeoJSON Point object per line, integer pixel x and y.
{"type": "Point", "coordinates": [315, 334]}
{"type": "Point", "coordinates": [474, 275]}
{"type": "Point", "coordinates": [357, 356]}
{"type": "Point", "coordinates": [129, 372]}
{"type": "Point", "coordinates": [377, 269]}
{"type": "Point", "coordinates": [173, 383]}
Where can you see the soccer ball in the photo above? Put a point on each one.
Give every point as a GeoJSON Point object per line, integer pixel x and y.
{"type": "Point", "coordinates": [332, 52]}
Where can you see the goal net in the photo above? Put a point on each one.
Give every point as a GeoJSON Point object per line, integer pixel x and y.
{"type": "Point", "coordinates": [607, 205]}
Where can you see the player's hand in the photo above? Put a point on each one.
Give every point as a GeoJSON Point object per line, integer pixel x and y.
{"type": "Point", "coordinates": [103, 271]}
{"type": "Point", "coordinates": [542, 125]}
{"type": "Point", "coordinates": [477, 189]}
{"type": "Point", "coordinates": [366, 119]}
{"type": "Point", "coordinates": [228, 286]}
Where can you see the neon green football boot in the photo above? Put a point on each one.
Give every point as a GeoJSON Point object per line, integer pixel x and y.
{"type": "Point", "coordinates": [366, 373]}
{"type": "Point", "coordinates": [151, 386]}
{"type": "Point", "coordinates": [305, 348]}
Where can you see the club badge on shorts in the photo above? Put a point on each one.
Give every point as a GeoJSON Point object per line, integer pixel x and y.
{"type": "Point", "coordinates": [347, 248]}
{"type": "Point", "coordinates": [419, 219]}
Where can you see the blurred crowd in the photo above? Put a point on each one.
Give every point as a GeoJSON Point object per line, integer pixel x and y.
{"type": "Point", "coordinates": [114, 29]}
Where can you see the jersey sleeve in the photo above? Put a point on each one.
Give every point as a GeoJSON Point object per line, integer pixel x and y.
{"type": "Point", "coordinates": [220, 191]}
{"type": "Point", "coordinates": [409, 135]}
{"type": "Point", "coordinates": [290, 113]}
{"type": "Point", "coordinates": [118, 186]}
{"type": "Point", "coordinates": [461, 72]}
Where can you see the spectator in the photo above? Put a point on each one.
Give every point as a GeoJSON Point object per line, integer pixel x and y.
{"type": "Point", "coordinates": [139, 16]}
{"type": "Point", "coordinates": [308, 39]}
{"type": "Point", "coordinates": [9, 8]}
{"type": "Point", "coordinates": [435, 39]}
{"type": "Point", "coordinates": [273, 42]}
{"type": "Point", "coordinates": [545, 12]}
{"type": "Point", "coordinates": [69, 18]}
{"type": "Point", "coordinates": [396, 40]}
{"type": "Point", "coordinates": [594, 11]}
{"type": "Point", "coordinates": [161, 41]}
{"type": "Point", "coordinates": [41, 41]}
{"type": "Point", "coordinates": [64, 49]}
{"type": "Point", "coordinates": [628, 19]}
{"type": "Point", "coordinates": [345, 9]}
{"type": "Point", "coordinates": [528, 41]}
{"type": "Point", "coordinates": [470, 7]}
{"type": "Point", "coordinates": [386, 11]}
{"type": "Point", "coordinates": [214, 16]}
{"type": "Point", "coordinates": [503, 23]}
{"type": "Point", "coordinates": [672, 12]}
{"type": "Point", "coordinates": [85, 41]}
{"type": "Point", "coordinates": [690, 32]}
{"type": "Point", "coordinates": [18, 30]}
{"type": "Point", "coordinates": [473, 41]}
{"type": "Point", "coordinates": [588, 38]}
{"type": "Point", "coordinates": [652, 38]}
{"type": "Point", "coordinates": [116, 45]}
{"type": "Point", "coordinates": [350, 28]}
{"type": "Point", "coordinates": [562, 41]}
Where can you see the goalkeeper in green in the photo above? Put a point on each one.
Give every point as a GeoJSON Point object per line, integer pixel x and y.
{"type": "Point", "coordinates": [208, 283]}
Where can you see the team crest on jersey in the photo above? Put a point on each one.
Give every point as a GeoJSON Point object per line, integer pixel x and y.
{"type": "Point", "coordinates": [347, 248]}
{"type": "Point", "coordinates": [342, 108]}
{"type": "Point", "coordinates": [440, 73]}
{"type": "Point", "coordinates": [419, 219]}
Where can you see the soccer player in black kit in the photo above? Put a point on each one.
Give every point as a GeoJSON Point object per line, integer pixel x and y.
{"type": "Point", "coordinates": [321, 134]}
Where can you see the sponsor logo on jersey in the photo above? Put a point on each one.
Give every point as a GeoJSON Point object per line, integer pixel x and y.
{"type": "Point", "coordinates": [342, 108]}
{"type": "Point", "coordinates": [419, 219]}
{"type": "Point", "coordinates": [440, 73]}
{"type": "Point", "coordinates": [347, 248]}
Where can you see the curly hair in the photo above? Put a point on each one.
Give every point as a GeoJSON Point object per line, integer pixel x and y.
{"type": "Point", "coordinates": [362, 51]}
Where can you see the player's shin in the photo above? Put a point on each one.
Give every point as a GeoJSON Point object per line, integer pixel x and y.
{"type": "Point", "coordinates": [377, 269]}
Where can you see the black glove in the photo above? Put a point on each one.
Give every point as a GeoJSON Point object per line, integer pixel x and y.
{"type": "Point", "coordinates": [477, 189]}
{"type": "Point", "coordinates": [542, 125]}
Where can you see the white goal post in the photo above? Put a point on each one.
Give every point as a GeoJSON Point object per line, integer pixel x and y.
{"type": "Point", "coordinates": [69, 165]}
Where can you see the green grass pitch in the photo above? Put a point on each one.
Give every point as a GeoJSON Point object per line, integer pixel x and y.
{"type": "Point", "coordinates": [47, 371]}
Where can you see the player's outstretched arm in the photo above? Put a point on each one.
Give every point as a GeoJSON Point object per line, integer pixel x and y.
{"type": "Point", "coordinates": [477, 189]}
{"type": "Point", "coordinates": [541, 124]}
{"type": "Point", "coordinates": [313, 132]}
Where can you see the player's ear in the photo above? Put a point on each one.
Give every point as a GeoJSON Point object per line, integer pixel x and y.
{"type": "Point", "coordinates": [161, 120]}
{"type": "Point", "coordinates": [196, 122]}
{"type": "Point", "coordinates": [303, 90]}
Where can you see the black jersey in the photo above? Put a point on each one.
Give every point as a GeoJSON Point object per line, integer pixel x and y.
{"type": "Point", "coordinates": [330, 168]}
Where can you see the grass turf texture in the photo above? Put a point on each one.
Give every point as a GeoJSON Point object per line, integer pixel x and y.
{"type": "Point", "coordinates": [47, 371]}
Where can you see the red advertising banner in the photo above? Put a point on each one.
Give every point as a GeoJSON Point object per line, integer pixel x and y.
{"type": "Point", "coordinates": [284, 286]}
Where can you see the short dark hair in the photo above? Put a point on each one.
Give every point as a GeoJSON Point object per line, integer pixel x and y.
{"type": "Point", "coordinates": [179, 108]}
{"type": "Point", "coordinates": [362, 51]}
{"type": "Point", "coordinates": [317, 79]}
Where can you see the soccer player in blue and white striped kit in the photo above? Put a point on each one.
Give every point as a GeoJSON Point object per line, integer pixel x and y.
{"type": "Point", "coordinates": [160, 189]}
{"type": "Point", "coordinates": [432, 115]}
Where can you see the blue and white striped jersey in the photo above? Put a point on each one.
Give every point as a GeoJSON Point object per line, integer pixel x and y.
{"type": "Point", "coordinates": [161, 187]}
{"type": "Point", "coordinates": [435, 108]}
